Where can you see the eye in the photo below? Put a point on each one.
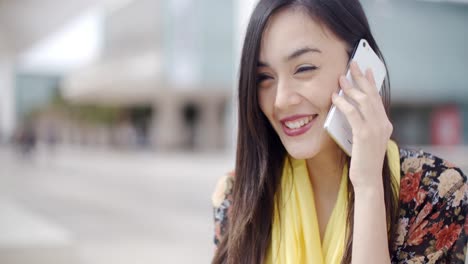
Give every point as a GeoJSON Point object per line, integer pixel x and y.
{"type": "Point", "coordinates": [306, 68]}
{"type": "Point", "coordinates": [263, 77]}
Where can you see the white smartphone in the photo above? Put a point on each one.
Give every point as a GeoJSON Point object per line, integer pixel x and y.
{"type": "Point", "coordinates": [336, 124]}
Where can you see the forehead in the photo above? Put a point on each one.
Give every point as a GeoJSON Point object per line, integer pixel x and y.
{"type": "Point", "coordinates": [292, 28]}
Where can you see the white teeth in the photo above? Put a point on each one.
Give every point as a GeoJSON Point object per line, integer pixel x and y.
{"type": "Point", "coordinates": [298, 123]}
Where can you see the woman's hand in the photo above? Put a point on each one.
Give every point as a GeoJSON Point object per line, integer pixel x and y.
{"type": "Point", "coordinates": [371, 132]}
{"type": "Point", "coordinates": [370, 126]}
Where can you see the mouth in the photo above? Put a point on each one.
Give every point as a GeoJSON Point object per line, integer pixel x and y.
{"type": "Point", "coordinates": [298, 125]}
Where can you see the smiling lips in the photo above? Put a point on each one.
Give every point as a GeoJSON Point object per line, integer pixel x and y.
{"type": "Point", "coordinates": [298, 124]}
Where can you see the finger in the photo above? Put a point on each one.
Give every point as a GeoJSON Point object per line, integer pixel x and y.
{"type": "Point", "coordinates": [361, 81]}
{"type": "Point", "coordinates": [351, 113]}
{"type": "Point", "coordinates": [379, 102]}
{"type": "Point", "coordinates": [358, 98]}
{"type": "Point", "coordinates": [370, 78]}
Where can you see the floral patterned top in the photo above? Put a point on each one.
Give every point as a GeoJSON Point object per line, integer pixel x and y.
{"type": "Point", "coordinates": [433, 222]}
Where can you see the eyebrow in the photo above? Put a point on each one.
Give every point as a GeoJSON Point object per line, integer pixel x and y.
{"type": "Point", "coordinates": [302, 51]}
{"type": "Point", "coordinates": [297, 53]}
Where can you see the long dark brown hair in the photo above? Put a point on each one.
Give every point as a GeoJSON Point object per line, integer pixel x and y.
{"type": "Point", "coordinates": [260, 153]}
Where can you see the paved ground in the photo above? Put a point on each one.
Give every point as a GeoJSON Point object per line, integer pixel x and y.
{"type": "Point", "coordinates": [109, 207]}
{"type": "Point", "coordinates": [102, 207]}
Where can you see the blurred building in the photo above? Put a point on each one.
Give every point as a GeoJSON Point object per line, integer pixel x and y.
{"type": "Point", "coordinates": [21, 25]}
{"type": "Point", "coordinates": [170, 58]}
{"type": "Point", "coordinates": [425, 46]}
{"type": "Point", "coordinates": [165, 72]}
{"type": "Point", "coordinates": [165, 66]}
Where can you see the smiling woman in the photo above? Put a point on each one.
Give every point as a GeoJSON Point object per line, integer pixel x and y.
{"type": "Point", "coordinates": [295, 196]}
{"type": "Point", "coordinates": [300, 77]}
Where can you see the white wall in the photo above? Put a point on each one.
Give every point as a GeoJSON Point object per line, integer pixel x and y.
{"type": "Point", "coordinates": [7, 98]}
{"type": "Point", "coordinates": [425, 45]}
{"type": "Point", "coordinates": [242, 13]}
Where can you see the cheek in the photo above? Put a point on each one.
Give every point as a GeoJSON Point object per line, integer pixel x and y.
{"type": "Point", "coordinates": [266, 102]}
{"type": "Point", "coordinates": [319, 90]}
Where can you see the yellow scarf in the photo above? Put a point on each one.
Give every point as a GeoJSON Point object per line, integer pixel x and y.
{"type": "Point", "coordinates": [296, 238]}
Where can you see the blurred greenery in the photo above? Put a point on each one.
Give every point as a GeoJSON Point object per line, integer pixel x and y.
{"type": "Point", "coordinates": [95, 114]}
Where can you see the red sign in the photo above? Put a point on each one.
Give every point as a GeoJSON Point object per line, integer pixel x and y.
{"type": "Point", "coordinates": [446, 126]}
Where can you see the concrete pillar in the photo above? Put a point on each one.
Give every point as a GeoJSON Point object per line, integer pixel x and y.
{"type": "Point", "coordinates": [7, 98]}
{"type": "Point", "coordinates": [168, 130]}
{"type": "Point", "coordinates": [210, 126]}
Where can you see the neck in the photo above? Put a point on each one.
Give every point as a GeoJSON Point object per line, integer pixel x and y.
{"type": "Point", "coordinates": [326, 169]}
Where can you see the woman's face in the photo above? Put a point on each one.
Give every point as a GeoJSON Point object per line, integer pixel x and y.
{"type": "Point", "coordinates": [299, 66]}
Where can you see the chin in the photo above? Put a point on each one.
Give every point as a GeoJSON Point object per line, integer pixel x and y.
{"type": "Point", "coordinates": [302, 151]}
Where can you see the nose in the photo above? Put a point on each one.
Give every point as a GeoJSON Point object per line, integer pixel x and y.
{"type": "Point", "coordinates": [286, 95]}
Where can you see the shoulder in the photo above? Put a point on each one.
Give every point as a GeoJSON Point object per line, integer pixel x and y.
{"type": "Point", "coordinates": [413, 160]}
{"type": "Point", "coordinates": [223, 189]}
{"type": "Point", "coordinates": [221, 200]}
{"type": "Point", "coordinates": [423, 172]}
{"type": "Point", "coordinates": [433, 209]}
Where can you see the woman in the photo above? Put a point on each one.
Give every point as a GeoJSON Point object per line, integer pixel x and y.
{"type": "Point", "coordinates": [295, 197]}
